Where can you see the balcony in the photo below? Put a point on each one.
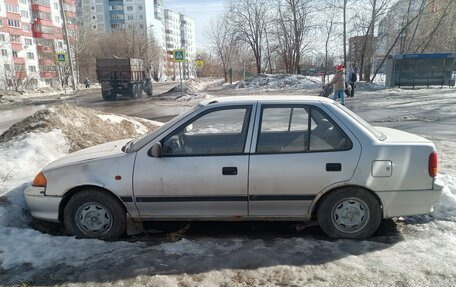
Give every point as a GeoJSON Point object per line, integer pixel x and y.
{"type": "Point", "coordinates": [18, 60]}
{"type": "Point", "coordinates": [44, 61]}
{"type": "Point", "coordinates": [52, 74]}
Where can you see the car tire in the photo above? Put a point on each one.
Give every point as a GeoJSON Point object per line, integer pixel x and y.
{"type": "Point", "coordinates": [351, 213]}
{"type": "Point", "coordinates": [93, 213]}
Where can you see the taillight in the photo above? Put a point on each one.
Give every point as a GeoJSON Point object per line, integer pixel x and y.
{"type": "Point", "coordinates": [433, 164]}
{"type": "Point", "coordinates": [40, 180]}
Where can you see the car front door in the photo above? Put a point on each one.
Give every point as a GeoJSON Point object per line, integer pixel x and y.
{"type": "Point", "coordinates": [298, 151]}
{"type": "Point", "coordinates": [203, 171]}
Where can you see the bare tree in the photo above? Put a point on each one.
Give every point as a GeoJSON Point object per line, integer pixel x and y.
{"type": "Point", "coordinates": [223, 42]}
{"type": "Point", "coordinates": [132, 42]}
{"type": "Point", "coordinates": [400, 33]}
{"type": "Point", "coordinates": [247, 17]}
{"type": "Point", "coordinates": [328, 30]}
{"type": "Point", "coordinates": [292, 28]}
{"type": "Point", "coordinates": [16, 78]}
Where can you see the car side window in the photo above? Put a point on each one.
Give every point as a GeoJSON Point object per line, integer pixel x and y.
{"type": "Point", "coordinates": [283, 129]}
{"type": "Point", "coordinates": [298, 129]}
{"type": "Point", "coordinates": [325, 135]}
{"type": "Point", "coordinates": [221, 132]}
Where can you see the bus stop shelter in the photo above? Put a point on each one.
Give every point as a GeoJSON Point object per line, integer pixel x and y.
{"type": "Point", "coordinates": [421, 70]}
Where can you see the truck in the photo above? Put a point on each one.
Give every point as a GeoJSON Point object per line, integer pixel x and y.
{"type": "Point", "coordinates": [127, 77]}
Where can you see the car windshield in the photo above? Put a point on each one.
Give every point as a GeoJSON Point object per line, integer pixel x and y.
{"type": "Point", "coordinates": [379, 135]}
{"type": "Point", "coordinates": [141, 141]}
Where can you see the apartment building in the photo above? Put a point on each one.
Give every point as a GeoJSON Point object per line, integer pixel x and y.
{"type": "Point", "coordinates": [30, 35]}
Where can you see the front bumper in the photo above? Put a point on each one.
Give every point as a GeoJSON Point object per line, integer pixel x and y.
{"type": "Point", "coordinates": [42, 206]}
{"type": "Point", "coordinates": [410, 202]}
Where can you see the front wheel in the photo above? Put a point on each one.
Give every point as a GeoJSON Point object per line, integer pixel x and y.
{"type": "Point", "coordinates": [349, 213]}
{"type": "Point", "coordinates": [93, 213]}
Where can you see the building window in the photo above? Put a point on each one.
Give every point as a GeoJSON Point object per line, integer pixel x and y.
{"type": "Point", "coordinates": [94, 26]}
{"type": "Point", "coordinates": [24, 13]}
{"type": "Point", "coordinates": [28, 42]}
{"type": "Point", "coordinates": [140, 17]}
{"type": "Point", "coordinates": [30, 56]}
{"type": "Point", "coordinates": [130, 17]}
{"type": "Point", "coordinates": [129, 8]}
{"type": "Point", "coordinates": [23, 2]}
{"type": "Point", "coordinates": [41, 15]}
{"type": "Point", "coordinates": [15, 54]}
{"type": "Point", "coordinates": [1, 23]}
{"type": "Point", "coordinates": [140, 7]}
{"type": "Point", "coordinates": [93, 17]}
{"type": "Point", "coordinates": [2, 37]}
{"type": "Point", "coordinates": [12, 8]}
{"type": "Point", "coordinates": [7, 67]}
{"type": "Point", "coordinates": [117, 16]}
{"type": "Point", "coordinates": [117, 26]}
{"type": "Point", "coordinates": [57, 19]}
{"type": "Point", "coordinates": [26, 28]}
{"type": "Point", "coordinates": [56, 5]}
{"type": "Point", "coordinates": [14, 23]}
{"type": "Point", "coordinates": [32, 69]}
{"type": "Point", "coordinates": [115, 7]}
{"type": "Point", "coordinates": [141, 26]}
{"type": "Point", "coordinates": [4, 53]}
{"type": "Point", "coordinates": [15, 38]}
{"type": "Point", "coordinates": [46, 3]}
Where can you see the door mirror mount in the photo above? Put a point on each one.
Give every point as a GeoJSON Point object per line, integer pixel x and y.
{"type": "Point", "coordinates": [156, 150]}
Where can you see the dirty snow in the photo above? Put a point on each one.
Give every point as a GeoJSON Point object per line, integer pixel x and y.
{"type": "Point", "coordinates": [413, 251]}
{"type": "Point", "coordinates": [82, 127]}
{"type": "Point", "coordinates": [277, 82]}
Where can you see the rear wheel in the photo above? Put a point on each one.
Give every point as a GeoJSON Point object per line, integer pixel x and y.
{"type": "Point", "coordinates": [349, 213]}
{"type": "Point", "coordinates": [93, 213]}
{"type": "Point", "coordinates": [109, 95]}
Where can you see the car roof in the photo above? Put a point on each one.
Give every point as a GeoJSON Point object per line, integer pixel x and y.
{"type": "Point", "coordinates": [269, 99]}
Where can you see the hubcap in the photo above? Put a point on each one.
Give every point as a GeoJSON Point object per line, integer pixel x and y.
{"type": "Point", "coordinates": [93, 219]}
{"type": "Point", "coordinates": [350, 215]}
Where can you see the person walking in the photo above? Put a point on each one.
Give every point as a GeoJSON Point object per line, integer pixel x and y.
{"type": "Point", "coordinates": [338, 81]}
{"type": "Point", "coordinates": [87, 83]}
{"type": "Point", "coordinates": [351, 79]}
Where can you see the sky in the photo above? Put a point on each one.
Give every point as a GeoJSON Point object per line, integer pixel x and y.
{"type": "Point", "coordinates": [200, 10]}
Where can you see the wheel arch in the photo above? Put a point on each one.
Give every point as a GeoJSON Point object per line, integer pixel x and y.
{"type": "Point", "coordinates": [319, 198]}
{"type": "Point", "coordinates": [67, 196]}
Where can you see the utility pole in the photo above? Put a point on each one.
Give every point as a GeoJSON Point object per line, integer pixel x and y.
{"type": "Point", "coordinates": [67, 43]}
{"type": "Point", "coordinates": [345, 34]}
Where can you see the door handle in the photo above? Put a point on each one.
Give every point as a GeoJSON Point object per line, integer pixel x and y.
{"type": "Point", "coordinates": [333, 166]}
{"type": "Point", "coordinates": [229, 170]}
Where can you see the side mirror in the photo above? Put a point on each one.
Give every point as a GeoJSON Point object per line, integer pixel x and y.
{"type": "Point", "coordinates": [156, 150]}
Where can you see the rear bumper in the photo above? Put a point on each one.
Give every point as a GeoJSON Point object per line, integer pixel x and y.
{"type": "Point", "coordinates": [410, 202]}
{"type": "Point", "coordinates": [42, 206]}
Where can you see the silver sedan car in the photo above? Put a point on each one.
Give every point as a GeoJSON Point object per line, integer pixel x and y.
{"type": "Point", "coordinates": [244, 158]}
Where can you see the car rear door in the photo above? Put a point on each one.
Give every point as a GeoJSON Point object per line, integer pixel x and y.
{"type": "Point", "coordinates": [297, 151]}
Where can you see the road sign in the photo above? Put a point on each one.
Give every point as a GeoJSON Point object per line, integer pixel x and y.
{"type": "Point", "coordinates": [199, 64]}
{"type": "Point", "coordinates": [179, 55]}
{"type": "Point", "coordinates": [60, 57]}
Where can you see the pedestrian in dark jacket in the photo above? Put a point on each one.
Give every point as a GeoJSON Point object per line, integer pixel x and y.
{"type": "Point", "coordinates": [338, 81]}
{"type": "Point", "coordinates": [351, 79]}
{"type": "Point", "coordinates": [87, 82]}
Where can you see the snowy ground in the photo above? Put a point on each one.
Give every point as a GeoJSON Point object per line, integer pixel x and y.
{"type": "Point", "coordinates": [413, 251]}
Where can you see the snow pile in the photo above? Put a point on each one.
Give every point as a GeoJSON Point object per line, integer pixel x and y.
{"type": "Point", "coordinates": [364, 86]}
{"type": "Point", "coordinates": [82, 127]}
{"type": "Point", "coordinates": [193, 86]}
{"type": "Point", "coordinates": [278, 82]}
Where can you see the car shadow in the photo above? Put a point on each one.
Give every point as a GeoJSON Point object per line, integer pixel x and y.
{"type": "Point", "coordinates": [173, 248]}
